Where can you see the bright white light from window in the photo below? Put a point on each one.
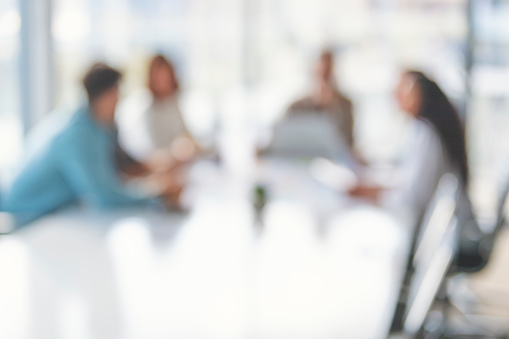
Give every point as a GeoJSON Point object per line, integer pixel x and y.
{"type": "Point", "coordinates": [73, 316]}
{"type": "Point", "coordinates": [10, 23]}
{"type": "Point", "coordinates": [14, 289]}
{"type": "Point", "coordinates": [71, 25]}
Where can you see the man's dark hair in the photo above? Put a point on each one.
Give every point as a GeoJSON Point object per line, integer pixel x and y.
{"type": "Point", "coordinates": [100, 78]}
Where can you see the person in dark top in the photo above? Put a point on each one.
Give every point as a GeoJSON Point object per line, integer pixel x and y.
{"type": "Point", "coordinates": [327, 99]}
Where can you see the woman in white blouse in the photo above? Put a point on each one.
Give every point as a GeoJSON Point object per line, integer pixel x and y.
{"type": "Point", "coordinates": [437, 147]}
{"type": "Point", "coordinates": [153, 124]}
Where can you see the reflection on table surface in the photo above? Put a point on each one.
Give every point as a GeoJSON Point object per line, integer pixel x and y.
{"type": "Point", "coordinates": [315, 265]}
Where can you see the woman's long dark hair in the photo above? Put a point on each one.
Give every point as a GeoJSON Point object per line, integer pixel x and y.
{"type": "Point", "coordinates": [436, 109]}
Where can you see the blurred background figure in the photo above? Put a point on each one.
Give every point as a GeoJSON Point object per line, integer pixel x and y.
{"type": "Point", "coordinates": [437, 140]}
{"type": "Point", "coordinates": [437, 147]}
{"type": "Point", "coordinates": [155, 129]}
{"type": "Point", "coordinates": [321, 124]}
{"type": "Point", "coordinates": [327, 99]}
{"type": "Point", "coordinates": [77, 164]}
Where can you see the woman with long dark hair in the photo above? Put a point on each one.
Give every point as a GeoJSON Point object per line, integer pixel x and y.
{"type": "Point", "coordinates": [434, 108]}
{"type": "Point", "coordinates": [156, 125]}
{"type": "Point", "coordinates": [438, 146]}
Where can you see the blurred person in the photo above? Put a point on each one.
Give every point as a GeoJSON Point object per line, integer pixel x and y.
{"type": "Point", "coordinates": [158, 130]}
{"type": "Point", "coordinates": [327, 99]}
{"type": "Point", "coordinates": [78, 162]}
{"type": "Point", "coordinates": [438, 147]}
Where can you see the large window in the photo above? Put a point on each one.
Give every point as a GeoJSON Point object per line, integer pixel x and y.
{"type": "Point", "coordinates": [202, 37]}
{"type": "Point", "coordinates": [489, 118]}
{"type": "Point", "coordinates": [250, 58]}
{"type": "Point", "coordinates": [10, 116]}
{"type": "Point", "coordinates": [264, 48]}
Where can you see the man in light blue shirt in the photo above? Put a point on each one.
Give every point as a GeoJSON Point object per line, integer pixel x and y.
{"type": "Point", "coordinates": [78, 163]}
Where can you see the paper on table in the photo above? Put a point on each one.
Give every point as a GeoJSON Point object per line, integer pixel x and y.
{"type": "Point", "coordinates": [333, 175]}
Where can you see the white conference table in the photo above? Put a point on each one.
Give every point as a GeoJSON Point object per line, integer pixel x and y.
{"type": "Point", "coordinates": [319, 265]}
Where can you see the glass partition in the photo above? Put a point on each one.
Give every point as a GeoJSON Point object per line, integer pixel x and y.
{"type": "Point", "coordinates": [488, 118]}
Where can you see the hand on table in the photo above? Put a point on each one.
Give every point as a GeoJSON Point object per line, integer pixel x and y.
{"type": "Point", "coordinates": [182, 152]}
{"type": "Point", "coordinates": [366, 192]}
{"type": "Point", "coordinates": [167, 186]}
{"type": "Point", "coordinates": [171, 195]}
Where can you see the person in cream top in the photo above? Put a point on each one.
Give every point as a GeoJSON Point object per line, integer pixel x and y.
{"type": "Point", "coordinates": [152, 125]}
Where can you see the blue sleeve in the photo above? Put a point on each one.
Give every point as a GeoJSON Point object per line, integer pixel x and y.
{"type": "Point", "coordinates": [89, 168]}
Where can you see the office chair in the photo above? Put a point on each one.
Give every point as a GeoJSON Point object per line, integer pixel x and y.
{"type": "Point", "coordinates": [432, 259]}
{"type": "Point", "coordinates": [426, 238]}
{"type": "Point", "coordinates": [431, 255]}
{"type": "Point", "coordinates": [475, 325]}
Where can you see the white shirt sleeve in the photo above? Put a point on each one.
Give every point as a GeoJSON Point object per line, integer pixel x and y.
{"type": "Point", "coordinates": [419, 174]}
